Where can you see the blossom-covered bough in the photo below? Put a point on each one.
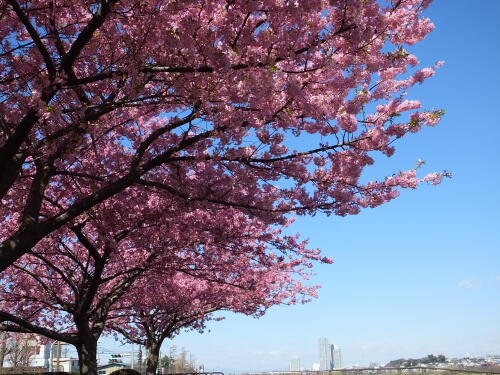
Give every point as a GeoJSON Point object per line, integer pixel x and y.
{"type": "Point", "coordinates": [201, 100]}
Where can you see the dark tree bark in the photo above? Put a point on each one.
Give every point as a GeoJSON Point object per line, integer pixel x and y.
{"type": "Point", "coordinates": [153, 358]}
{"type": "Point", "coordinates": [87, 354]}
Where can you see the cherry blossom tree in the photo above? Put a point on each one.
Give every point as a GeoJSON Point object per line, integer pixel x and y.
{"type": "Point", "coordinates": [66, 288]}
{"type": "Point", "coordinates": [266, 107]}
{"type": "Point", "coordinates": [188, 298]}
{"type": "Point", "coordinates": [78, 283]}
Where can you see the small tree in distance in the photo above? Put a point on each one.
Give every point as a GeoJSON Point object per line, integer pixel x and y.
{"type": "Point", "coordinates": [165, 362]}
{"type": "Point", "coordinates": [4, 347]}
{"type": "Point", "coordinates": [17, 349]}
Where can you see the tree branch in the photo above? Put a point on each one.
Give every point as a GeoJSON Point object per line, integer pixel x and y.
{"type": "Point", "coordinates": [29, 327]}
{"type": "Point", "coordinates": [36, 38]}
{"type": "Point", "coordinates": [87, 33]}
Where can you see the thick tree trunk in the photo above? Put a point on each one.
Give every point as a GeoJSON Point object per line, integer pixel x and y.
{"type": "Point", "coordinates": [153, 359]}
{"type": "Point", "coordinates": [87, 355]}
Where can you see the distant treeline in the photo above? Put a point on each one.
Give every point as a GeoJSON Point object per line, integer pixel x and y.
{"type": "Point", "coordinates": [410, 362]}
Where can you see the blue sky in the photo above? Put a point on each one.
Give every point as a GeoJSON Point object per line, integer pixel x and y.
{"type": "Point", "coordinates": [421, 274]}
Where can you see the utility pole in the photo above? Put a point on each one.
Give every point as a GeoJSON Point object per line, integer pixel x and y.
{"type": "Point", "coordinates": [132, 356]}
{"type": "Point", "coordinates": [51, 360]}
{"type": "Point", "coordinates": [58, 355]}
{"type": "Point", "coordinates": [161, 367]}
{"type": "Point", "coordinates": [139, 359]}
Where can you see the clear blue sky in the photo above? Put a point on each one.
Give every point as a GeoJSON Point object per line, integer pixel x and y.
{"type": "Point", "coordinates": [421, 274]}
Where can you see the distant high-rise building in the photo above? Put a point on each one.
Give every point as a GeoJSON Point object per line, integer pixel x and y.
{"type": "Point", "coordinates": [325, 355]}
{"type": "Point", "coordinates": [294, 364]}
{"type": "Point", "coordinates": [336, 356]}
{"type": "Point", "coordinates": [330, 355]}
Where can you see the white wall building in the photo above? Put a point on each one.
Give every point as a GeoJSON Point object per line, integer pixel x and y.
{"type": "Point", "coordinates": [42, 355]}
{"type": "Point", "coordinates": [66, 364]}
{"type": "Point", "coordinates": [294, 364]}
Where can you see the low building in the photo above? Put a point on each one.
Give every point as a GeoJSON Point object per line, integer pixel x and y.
{"type": "Point", "coordinates": [66, 364]}
{"type": "Point", "coordinates": [109, 368]}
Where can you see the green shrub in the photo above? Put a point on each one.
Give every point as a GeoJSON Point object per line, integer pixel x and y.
{"type": "Point", "coordinates": [125, 371]}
